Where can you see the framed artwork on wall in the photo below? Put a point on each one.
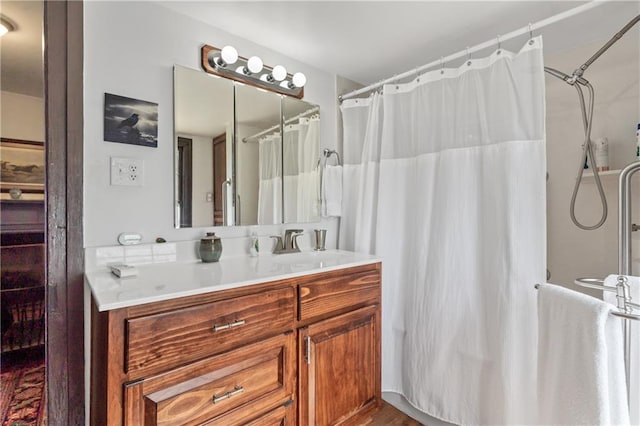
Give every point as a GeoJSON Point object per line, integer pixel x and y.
{"type": "Point", "coordinates": [22, 169]}
{"type": "Point", "coordinates": [131, 121]}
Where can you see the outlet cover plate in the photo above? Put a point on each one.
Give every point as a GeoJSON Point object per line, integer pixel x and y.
{"type": "Point", "coordinates": [127, 171]}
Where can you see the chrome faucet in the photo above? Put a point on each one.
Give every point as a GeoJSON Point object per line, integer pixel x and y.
{"type": "Point", "coordinates": [289, 244]}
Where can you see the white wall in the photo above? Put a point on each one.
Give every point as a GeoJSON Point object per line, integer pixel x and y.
{"type": "Point", "coordinates": [22, 117]}
{"type": "Point", "coordinates": [573, 252]}
{"type": "Point", "coordinates": [129, 50]}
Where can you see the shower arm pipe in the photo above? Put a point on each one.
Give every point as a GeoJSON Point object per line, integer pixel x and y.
{"type": "Point", "coordinates": [528, 29]}
{"type": "Point", "coordinates": [604, 48]}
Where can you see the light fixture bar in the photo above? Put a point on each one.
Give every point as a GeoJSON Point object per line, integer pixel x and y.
{"type": "Point", "coordinates": [252, 71]}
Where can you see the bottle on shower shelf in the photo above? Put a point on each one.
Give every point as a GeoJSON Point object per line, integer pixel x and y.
{"type": "Point", "coordinates": [638, 143]}
{"type": "Point", "coordinates": [602, 154]}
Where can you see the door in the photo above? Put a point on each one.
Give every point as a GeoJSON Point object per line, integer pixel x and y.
{"type": "Point", "coordinates": [219, 177]}
{"type": "Point", "coordinates": [185, 179]}
{"type": "Point", "coordinates": [339, 367]}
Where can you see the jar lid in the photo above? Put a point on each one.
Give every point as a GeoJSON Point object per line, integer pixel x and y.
{"type": "Point", "coordinates": [210, 237]}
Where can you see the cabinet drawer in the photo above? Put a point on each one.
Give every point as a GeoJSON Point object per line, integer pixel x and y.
{"type": "Point", "coordinates": [280, 416]}
{"type": "Point", "coordinates": [235, 386]}
{"type": "Point", "coordinates": [169, 339]}
{"type": "Point", "coordinates": [338, 292]}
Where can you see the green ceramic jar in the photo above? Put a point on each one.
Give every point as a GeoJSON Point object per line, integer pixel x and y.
{"type": "Point", "coordinates": [210, 248]}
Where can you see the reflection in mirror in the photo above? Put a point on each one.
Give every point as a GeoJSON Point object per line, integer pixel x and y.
{"type": "Point", "coordinates": [259, 157]}
{"type": "Point", "coordinates": [203, 111]}
{"type": "Point", "coordinates": [229, 164]}
{"type": "Point", "coordinates": [301, 147]}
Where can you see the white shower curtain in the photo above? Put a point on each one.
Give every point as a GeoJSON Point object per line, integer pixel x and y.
{"type": "Point", "coordinates": [291, 170]}
{"type": "Point", "coordinates": [270, 184]}
{"type": "Point", "coordinates": [444, 178]}
{"type": "Point", "coordinates": [308, 189]}
{"type": "Point", "coordinates": [299, 149]}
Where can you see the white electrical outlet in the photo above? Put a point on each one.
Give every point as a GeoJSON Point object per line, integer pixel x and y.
{"type": "Point", "coordinates": [127, 171]}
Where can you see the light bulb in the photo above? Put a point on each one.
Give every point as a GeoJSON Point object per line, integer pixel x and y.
{"type": "Point", "coordinates": [254, 64]}
{"type": "Point", "coordinates": [5, 26]}
{"type": "Point", "coordinates": [229, 54]}
{"type": "Point", "coordinates": [299, 79]}
{"type": "Point", "coordinates": [279, 73]}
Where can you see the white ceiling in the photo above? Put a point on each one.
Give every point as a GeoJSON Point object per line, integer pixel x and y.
{"type": "Point", "coordinates": [361, 40]}
{"type": "Point", "coordinates": [21, 69]}
{"type": "Point", "coordinates": [369, 41]}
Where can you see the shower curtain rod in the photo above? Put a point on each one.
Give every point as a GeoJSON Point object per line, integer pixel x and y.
{"type": "Point", "coordinates": [468, 51]}
{"type": "Point", "coordinates": [277, 126]}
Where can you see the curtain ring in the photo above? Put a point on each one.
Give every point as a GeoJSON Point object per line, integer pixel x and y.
{"type": "Point", "coordinates": [499, 44]}
{"type": "Point", "coordinates": [530, 35]}
{"type": "Point", "coordinates": [441, 64]}
{"type": "Point", "coordinates": [468, 57]}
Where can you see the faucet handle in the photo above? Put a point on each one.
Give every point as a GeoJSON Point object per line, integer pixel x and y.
{"type": "Point", "coordinates": [294, 242]}
{"type": "Point", "coordinates": [279, 246]}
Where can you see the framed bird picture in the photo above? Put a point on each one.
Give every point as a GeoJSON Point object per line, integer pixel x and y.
{"type": "Point", "coordinates": [21, 169]}
{"type": "Point", "coordinates": [131, 121]}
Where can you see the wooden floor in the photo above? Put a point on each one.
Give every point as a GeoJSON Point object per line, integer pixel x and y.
{"type": "Point", "coordinates": [387, 415]}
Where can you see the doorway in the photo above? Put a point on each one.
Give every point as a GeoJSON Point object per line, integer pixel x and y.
{"type": "Point", "coordinates": [41, 118]}
{"type": "Point", "coordinates": [22, 212]}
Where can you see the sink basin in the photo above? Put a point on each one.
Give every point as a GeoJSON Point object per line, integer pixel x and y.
{"type": "Point", "coordinates": [309, 257]}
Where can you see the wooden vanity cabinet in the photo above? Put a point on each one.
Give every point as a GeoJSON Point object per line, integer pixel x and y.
{"type": "Point", "coordinates": [299, 351]}
{"type": "Point", "coordinates": [339, 345]}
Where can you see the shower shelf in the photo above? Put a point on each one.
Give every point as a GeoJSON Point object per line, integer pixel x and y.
{"type": "Point", "coordinates": [606, 176]}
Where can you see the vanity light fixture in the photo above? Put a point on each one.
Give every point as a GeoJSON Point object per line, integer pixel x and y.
{"type": "Point", "coordinates": [252, 71]}
{"type": "Point", "coordinates": [5, 26]}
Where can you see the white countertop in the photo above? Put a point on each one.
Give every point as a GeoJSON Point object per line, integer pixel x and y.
{"type": "Point", "coordinates": [164, 281]}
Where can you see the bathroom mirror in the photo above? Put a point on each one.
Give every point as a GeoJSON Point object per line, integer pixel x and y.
{"type": "Point", "coordinates": [203, 108]}
{"type": "Point", "coordinates": [229, 154]}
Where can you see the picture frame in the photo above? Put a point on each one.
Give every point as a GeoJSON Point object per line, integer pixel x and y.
{"type": "Point", "coordinates": [130, 121]}
{"type": "Point", "coordinates": [22, 169]}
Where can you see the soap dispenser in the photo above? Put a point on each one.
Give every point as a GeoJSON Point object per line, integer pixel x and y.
{"type": "Point", "coordinates": [210, 248]}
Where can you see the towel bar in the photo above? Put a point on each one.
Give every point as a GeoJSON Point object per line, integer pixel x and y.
{"type": "Point", "coordinates": [593, 283]}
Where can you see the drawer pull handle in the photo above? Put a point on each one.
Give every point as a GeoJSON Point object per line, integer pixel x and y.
{"type": "Point", "coordinates": [236, 390]}
{"type": "Point", "coordinates": [228, 326]}
{"type": "Point", "coordinates": [307, 354]}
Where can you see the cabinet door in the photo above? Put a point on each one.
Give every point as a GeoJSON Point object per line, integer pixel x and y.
{"type": "Point", "coordinates": [339, 367]}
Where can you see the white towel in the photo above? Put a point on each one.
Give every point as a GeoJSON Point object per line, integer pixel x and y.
{"type": "Point", "coordinates": [332, 191]}
{"type": "Point", "coordinates": [580, 360]}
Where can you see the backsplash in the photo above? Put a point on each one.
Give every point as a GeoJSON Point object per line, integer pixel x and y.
{"type": "Point", "coordinates": [187, 251]}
